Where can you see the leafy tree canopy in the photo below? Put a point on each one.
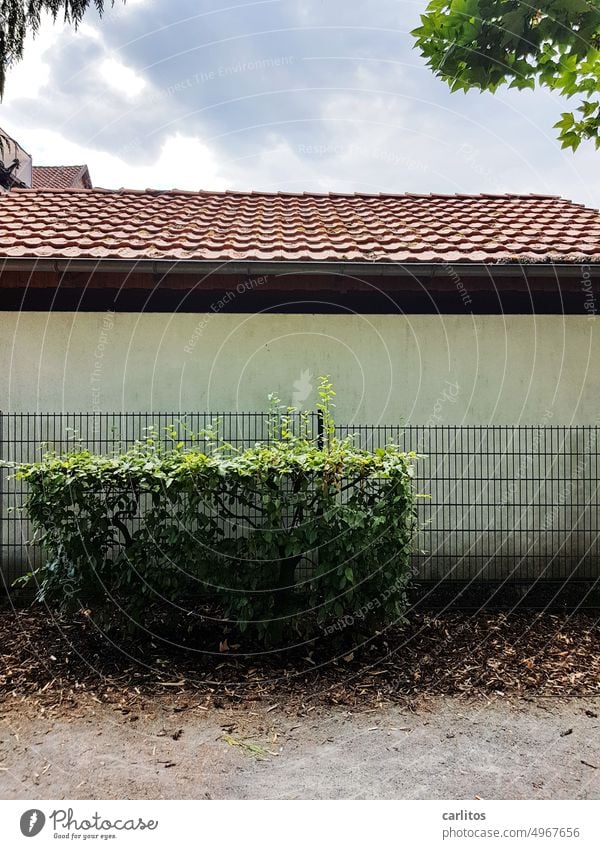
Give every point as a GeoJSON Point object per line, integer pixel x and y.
{"type": "Point", "coordinates": [484, 44]}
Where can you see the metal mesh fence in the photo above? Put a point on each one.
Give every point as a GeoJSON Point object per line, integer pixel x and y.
{"type": "Point", "coordinates": [502, 503]}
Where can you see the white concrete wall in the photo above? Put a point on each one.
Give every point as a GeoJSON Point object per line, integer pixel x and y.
{"type": "Point", "coordinates": [417, 369]}
{"type": "Point", "coordinates": [447, 369]}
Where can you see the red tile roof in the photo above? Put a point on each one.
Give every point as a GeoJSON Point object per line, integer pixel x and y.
{"type": "Point", "coordinates": [178, 225]}
{"type": "Point", "coordinates": [60, 177]}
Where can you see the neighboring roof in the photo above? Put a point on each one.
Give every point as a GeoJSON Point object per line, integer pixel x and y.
{"type": "Point", "coordinates": [60, 177]}
{"type": "Point", "coordinates": [233, 226]}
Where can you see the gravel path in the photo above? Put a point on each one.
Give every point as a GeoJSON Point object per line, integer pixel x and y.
{"type": "Point", "coordinates": [163, 748]}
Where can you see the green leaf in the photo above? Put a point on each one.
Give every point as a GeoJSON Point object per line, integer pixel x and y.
{"type": "Point", "coordinates": [134, 535]}
{"type": "Point", "coordinates": [484, 44]}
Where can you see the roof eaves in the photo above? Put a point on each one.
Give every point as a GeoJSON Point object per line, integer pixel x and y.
{"type": "Point", "coordinates": [411, 269]}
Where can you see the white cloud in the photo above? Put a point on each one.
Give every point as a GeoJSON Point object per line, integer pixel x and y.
{"type": "Point", "coordinates": [31, 75]}
{"type": "Point", "coordinates": [122, 79]}
{"type": "Point", "coordinates": [89, 31]}
{"type": "Point", "coordinates": [28, 77]}
{"type": "Point", "coordinates": [184, 162]}
{"type": "Point", "coordinates": [354, 111]}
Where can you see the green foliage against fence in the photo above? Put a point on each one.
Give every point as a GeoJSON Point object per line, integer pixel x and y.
{"type": "Point", "coordinates": [289, 538]}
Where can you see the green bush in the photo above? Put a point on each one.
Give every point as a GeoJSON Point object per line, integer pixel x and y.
{"type": "Point", "coordinates": [290, 538]}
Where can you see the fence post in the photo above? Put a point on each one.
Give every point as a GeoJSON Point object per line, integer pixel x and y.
{"type": "Point", "coordinates": [320, 430]}
{"type": "Point", "coordinates": [1, 497]}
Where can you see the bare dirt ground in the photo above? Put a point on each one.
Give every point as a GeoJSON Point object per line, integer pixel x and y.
{"type": "Point", "coordinates": [450, 705]}
{"type": "Point", "coordinates": [176, 747]}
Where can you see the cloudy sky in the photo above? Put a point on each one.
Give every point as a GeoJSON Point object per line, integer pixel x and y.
{"type": "Point", "coordinates": [292, 95]}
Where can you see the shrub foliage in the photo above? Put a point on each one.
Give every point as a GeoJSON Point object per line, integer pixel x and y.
{"type": "Point", "coordinates": [290, 537]}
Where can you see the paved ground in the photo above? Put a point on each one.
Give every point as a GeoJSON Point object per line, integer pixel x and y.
{"type": "Point", "coordinates": [162, 749]}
